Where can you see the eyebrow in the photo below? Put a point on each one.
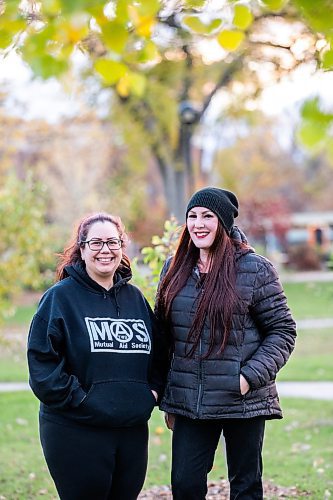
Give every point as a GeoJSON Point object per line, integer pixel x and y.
{"type": "Point", "coordinates": [203, 212]}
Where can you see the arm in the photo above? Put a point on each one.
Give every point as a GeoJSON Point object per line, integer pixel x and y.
{"type": "Point", "coordinates": [47, 374]}
{"type": "Point", "coordinates": [160, 360]}
{"type": "Point", "coordinates": [276, 327]}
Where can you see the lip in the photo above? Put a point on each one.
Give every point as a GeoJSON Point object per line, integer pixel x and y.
{"type": "Point", "coordinates": [201, 235]}
{"type": "Point", "coordinates": [105, 260]}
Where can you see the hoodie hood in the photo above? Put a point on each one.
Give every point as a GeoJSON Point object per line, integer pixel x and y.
{"type": "Point", "coordinates": [78, 272]}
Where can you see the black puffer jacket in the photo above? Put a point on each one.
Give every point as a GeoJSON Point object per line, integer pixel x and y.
{"type": "Point", "coordinates": [261, 340]}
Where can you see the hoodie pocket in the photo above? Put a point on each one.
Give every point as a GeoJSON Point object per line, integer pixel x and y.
{"type": "Point", "coordinates": [116, 404]}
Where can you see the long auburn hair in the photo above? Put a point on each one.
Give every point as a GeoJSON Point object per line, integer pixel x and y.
{"type": "Point", "coordinates": [72, 253]}
{"type": "Point", "coordinates": [220, 296]}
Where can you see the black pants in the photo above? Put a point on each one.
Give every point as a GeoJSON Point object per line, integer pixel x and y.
{"type": "Point", "coordinates": [88, 463]}
{"type": "Point", "coordinates": [194, 443]}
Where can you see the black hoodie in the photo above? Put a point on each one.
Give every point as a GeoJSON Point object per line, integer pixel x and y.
{"type": "Point", "coordinates": [90, 352]}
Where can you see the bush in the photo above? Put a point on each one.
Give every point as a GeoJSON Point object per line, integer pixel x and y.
{"type": "Point", "coordinates": [146, 276]}
{"type": "Point", "coordinates": [304, 258]}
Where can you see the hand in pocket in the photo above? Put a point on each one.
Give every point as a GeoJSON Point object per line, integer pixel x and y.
{"type": "Point", "coordinates": [244, 385]}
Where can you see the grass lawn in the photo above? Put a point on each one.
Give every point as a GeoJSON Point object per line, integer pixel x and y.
{"type": "Point", "coordinates": [312, 357]}
{"type": "Point", "coordinates": [298, 449]}
{"type": "Point", "coordinates": [307, 300]}
{"type": "Point", "coordinates": [310, 300]}
{"type": "Point", "coordinates": [311, 360]}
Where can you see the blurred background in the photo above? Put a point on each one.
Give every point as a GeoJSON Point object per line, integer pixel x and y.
{"type": "Point", "coordinates": [130, 107]}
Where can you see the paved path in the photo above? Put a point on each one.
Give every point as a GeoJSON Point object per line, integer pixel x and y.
{"type": "Point", "coordinates": [307, 390]}
{"type": "Point", "coordinates": [307, 324]}
{"type": "Point", "coordinates": [301, 277]}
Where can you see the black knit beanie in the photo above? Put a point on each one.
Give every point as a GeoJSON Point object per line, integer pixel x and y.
{"type": "Point", "coordinates": [220, 201]}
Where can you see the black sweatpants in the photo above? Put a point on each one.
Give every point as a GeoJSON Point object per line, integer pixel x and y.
{"type": "Point", "coordinates": [88, 463]}
{"type": "Point", "coordinates": [194, 443]}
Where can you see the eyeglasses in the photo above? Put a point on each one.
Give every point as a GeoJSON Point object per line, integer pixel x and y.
{"type": "Point", "coordinates": [98, 245]}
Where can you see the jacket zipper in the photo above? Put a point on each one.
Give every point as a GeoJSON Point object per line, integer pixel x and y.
{"type": "Point", "coordinates": [200, 380]}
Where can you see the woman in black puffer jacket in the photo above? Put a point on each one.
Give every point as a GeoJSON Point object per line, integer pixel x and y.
{"type": "Point", "coordinates": [231, 331]}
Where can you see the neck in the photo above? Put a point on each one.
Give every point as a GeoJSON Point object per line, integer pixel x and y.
{"type": "Point", "coordinates": [203, 261]}
{"type": "Point", "coordinates": [106, 283]}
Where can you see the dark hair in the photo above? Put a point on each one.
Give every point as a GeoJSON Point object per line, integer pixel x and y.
{"type": "Point", "coordinates": [72, 253]}
{"type": "Point", "coordinates": [219, 298]}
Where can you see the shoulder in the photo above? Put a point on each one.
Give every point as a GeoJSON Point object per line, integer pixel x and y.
{"type": "Point", "coordinates": [132, 290]}
{"type": "Point", "coordinates": [259, 268]}
{"type": "Point", "coordinates": [254, 261]}
{"type": "Point", "coordinates": [56, 291]}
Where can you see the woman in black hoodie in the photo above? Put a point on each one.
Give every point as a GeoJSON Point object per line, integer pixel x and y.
{"type": "Point", "coordinates": [91, 365]}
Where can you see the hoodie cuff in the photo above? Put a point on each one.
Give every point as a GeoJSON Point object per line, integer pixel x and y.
{"type": "Point", "coordinates": [78, 396]}
{"type": "Point", "coordinates": [158, 390]}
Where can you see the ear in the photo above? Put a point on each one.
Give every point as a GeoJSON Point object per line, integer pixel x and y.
{"type": "Point", "coordinates": [82, 252]}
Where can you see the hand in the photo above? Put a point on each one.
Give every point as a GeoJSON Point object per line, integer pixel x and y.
{"type": "Point", "coordinates": [169, 419]}
{"type": "Point", "coordinates": [244, 385]}
{"type": "Point", "coordinates": [155, 394]}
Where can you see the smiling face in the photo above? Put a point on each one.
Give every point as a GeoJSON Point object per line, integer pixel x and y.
{"type": "Point", "coordinates": [202, 225]}
{"type": "Point", "coordinates": [101, 265]}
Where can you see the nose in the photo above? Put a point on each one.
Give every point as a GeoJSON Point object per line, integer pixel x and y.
{"type": "Point", "coordinates": [105, 248]}
{"type": "Point", "coordinates": [199, 222]}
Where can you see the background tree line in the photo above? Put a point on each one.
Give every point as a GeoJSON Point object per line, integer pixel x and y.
{"type": "Point", "coordinates": [171, 72]}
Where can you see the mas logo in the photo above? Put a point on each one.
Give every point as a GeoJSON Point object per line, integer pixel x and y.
{"type": "Point", "coordinates": [118, 335]}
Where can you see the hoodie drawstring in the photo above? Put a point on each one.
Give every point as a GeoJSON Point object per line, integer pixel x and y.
{"type": "Point", "coordinates": [116, 302]}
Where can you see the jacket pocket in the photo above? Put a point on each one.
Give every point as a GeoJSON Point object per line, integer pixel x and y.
{"type": "Point", "coordinates": [116, 404]}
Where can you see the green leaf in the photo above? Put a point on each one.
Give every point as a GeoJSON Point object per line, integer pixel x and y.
{"type": "Point", "coordinates": [327, 60]}
{"type": "Point", "coordinates": [137, 83]}
{"type": "Point", "coordinates": [243, 17]}
{"type": "Point", "coordinates": [51, 7]}
{"type": "Point", "coordinates": [122, 13]}
{"type": "Point", "coordinates": [194, 3]}
{"type": "Point", "coordinates": [115, 36]}
{"type": "Point", "coordinates": [9, 28]}
{"type": "Point", "coordinates": [110, 71]}
{"type": "Point", "coordinates": [274, 4]}
{"type": "Point", "coordinates": [5, 38]}
{"type": "Point", "coordinates": [148, 53]}
{"type": "Point", "coordinates": [47, 66]}
{"type": "Point", "coordinates": [70, 6]}
{"type": "Point", "coordinates": [310, 135]}
{"type": "Point", "coordinates": [230, 39]}
{"type": "Point", "coordinates": [195, 24]}
{"type": "Point", "coordinates": [148, 7]}
{"type": "Point", "coordinates": [311, 112]}
{"type": "Point", "coordinates": [319, 14]}
{"type": "Point", "coordinates": [12, 9]}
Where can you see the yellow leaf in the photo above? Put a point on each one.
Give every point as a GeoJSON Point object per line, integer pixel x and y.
{"type": "Point", "coordinates": [242, 17]}
{"type": "Point", "coordinates": [123, 86]}
{"type": "Point", "coordinates": [195, 24]}
{"type": "Point", "coordinates": [145, 26]}
{"type": "Point", "coordinates": [142, 22]}
{"type": "Point", "coordinates": [230, 39]}
{"type": "Point", "coordinates": [110, 71]}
